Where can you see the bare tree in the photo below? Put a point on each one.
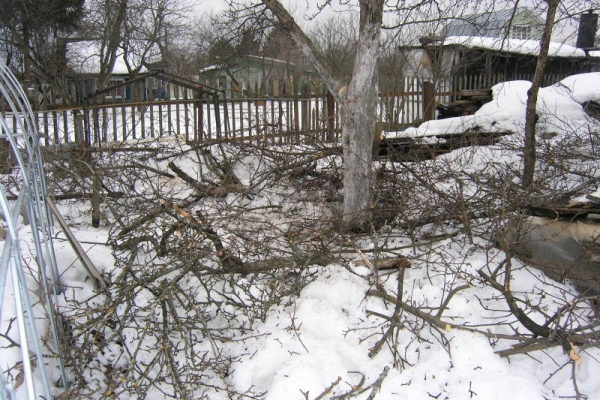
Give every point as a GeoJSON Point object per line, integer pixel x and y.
{"type": "Point", "coordinates": [336, 39]}
{"type": "Point", "coordinates": [32, 37]}
{"type": "Point", "coordinates": [358, 98]}
{"type": "Point", "coordinates": [136, 28]}
{"type": "Point", "coordinates": [532, 95]}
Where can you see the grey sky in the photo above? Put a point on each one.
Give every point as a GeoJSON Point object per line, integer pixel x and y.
{"type": "Point", "coordinates": [565, 30]}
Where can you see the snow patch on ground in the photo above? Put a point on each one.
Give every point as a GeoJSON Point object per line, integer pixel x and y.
{"type": "Point", "coordinates": [558, 106]}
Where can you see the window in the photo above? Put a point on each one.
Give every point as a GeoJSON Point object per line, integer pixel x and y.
{"type": "Point", "coordinates": [521, 32]}
{"type": "Point", "coordinates": [118, 92]}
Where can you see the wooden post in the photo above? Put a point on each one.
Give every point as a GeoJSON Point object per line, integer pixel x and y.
{"type": "Point", "coordinates": [199, 134]}
{"type": "Point", "coordinates": [296, 109]}
{"type": "Point", "coordinates": [428, 101]}
{"type": "Point", "coordinates": [305, 109]}
{"type": "Point", "coordinates": [95, 200]}
{"type": "Point", "coordinates": [78, 118]}
{"type": "Point", "coordinates": [330, 116]}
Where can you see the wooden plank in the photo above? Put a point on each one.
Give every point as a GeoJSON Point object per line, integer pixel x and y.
{"type": "Point", "coordinates": [160, 120]}
{"type": "Point", "coordinates": [55, 128]}
{"type": "Point", "coordinates": [104, 125]}
{"type": "Point", "coordinates": [123, 122]}
{"type": "Point", "coordinates": [88, 265]}
{"type": "Point", "coordinates": [65, 127]}
{"type": "Point", "coordinates": [114, 123]}
{"type": "Point", "coordinates": [152, 133]}
{"type": "Point", "coordinates": [132, 110]}
{"type": "Point", "coordinates": [143, 121]}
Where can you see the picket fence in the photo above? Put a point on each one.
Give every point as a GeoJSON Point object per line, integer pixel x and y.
{"type": "Point", "coordinates": [274, 119]}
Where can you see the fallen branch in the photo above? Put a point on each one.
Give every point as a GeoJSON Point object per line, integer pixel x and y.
{"type": "Point", "coordinates": [558, 335]}
{"type": "Point", "coordinates": [218, 191]}
{"type": "Point", "coordinates": [188, 179]}
{"type": "Point", "coordinates": [88, 265]}
{"type": "Point", "coordinates": [394, 320]}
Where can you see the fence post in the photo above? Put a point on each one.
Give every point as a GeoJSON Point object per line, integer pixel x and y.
{"type": "Point", "coordinates": [305, 109]}
{"type": "Point", "coordinates": [96, 186]}
{"type": "Point", "coordinates": [200, 134]}
{"type": "Point", "coordinates": [78, 119]}
{"type": "Point", "coordinates": [428, 101]}
{"type": "Point", "coordinates": [296, 109]}
{"type": "Point", "coordinates": [330, 116]}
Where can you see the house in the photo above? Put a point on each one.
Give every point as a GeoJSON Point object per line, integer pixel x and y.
{"type": "Point", "coordinates": [506, 59]}
{"type": "Point", "coordinates": [513, 23]}
{"type": "Point", "coordinates": [249, 75]}
{"type": "Point", "coordinates": [83, 65]}
{"type": "Point", "coordinates": [488, 46]}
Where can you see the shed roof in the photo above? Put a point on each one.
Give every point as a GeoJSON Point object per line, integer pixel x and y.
{"type": "Point", "coordinates": [516, 46]}
{"type": "Point", "coordinates": [251, 59]}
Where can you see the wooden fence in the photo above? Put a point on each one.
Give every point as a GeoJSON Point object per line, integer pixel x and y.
{"type": "Point", "coordinates": [277, 120]}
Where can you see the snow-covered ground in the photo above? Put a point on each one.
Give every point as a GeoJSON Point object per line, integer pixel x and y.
{"type": "Point", "coordinates": [559, 107]}
{"type": "Point", "coordinates": [322, 341]}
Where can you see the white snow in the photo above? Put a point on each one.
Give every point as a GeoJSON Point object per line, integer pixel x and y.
{"type": "Point", "coordinates": [558, 106]}
{"type": "Point", "coordinates": [519, 46]}
{"type": "Point", "coordinates": [322, 338]}
{"type": "Point", "coordinates": [584, 87]}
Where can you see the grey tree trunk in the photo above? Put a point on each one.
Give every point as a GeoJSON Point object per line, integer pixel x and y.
{"type": "Point", "coordinates": [359, 118]}
{"type": "Point", "coordinates": [359, 104]}
{"type": "Point", "coordinates": [529, 151]}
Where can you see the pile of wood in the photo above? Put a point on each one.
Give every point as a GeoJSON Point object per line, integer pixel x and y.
{"type": "Point", "coordinates": [405, 149]}
{"type": "Point", "coordinates": [569, 211]}
{"type": "Point", "coordinates": [466, 103]}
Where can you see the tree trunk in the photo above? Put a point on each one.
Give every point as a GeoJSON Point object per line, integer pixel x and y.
{"type": "Point", "coordinates": [529, 151]}
{"type": "Point", "coordinates": [359, 118]}
{"type": "Point", "coordinates": [116, 14]}
{"type": "Point", "coordinates": [359, 103]}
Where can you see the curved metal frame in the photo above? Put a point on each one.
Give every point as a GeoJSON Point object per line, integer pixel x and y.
{"type": "Point", "coordinates": [23, 139]}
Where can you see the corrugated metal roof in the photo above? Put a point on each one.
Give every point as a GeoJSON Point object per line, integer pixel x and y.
{"type": "Point", "coordinates": [489, 24]}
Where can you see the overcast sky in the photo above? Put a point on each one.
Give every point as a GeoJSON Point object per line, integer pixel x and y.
{"type": "Point", "coordinates": [302, 7]}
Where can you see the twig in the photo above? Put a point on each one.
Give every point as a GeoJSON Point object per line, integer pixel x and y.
{"type": "Point", "coordinates": [538, 330]}
{"type": "Point", "coordinates": [449, 297]}
{"type": "Point", "coordinates": [166, 349]}
{"type": "Point", "coordinates": [328, 389]}
{"type": "Point", "coordinates": [578, 395]}
{"type": "Point", "coordinates": [377, 384]}
{"type": "Point", "coordinates": [395, 317]}
{"type": "Point", "coordinates": [188, 179]}
{"type": "Point", "coordinates": [372, 267]}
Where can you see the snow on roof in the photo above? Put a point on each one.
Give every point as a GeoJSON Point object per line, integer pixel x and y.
{"type": "Point", "coordinates": [84, 57]}
{"type": "Point", "coordinates": [518, 46]}
{"type": "Point", "coordinates": [213, 67]}
{"type": "Point", "coordinates": [261, 59]}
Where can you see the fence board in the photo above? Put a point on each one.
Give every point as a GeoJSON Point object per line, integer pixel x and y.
{"type": "Point", "coordinates": [277, 119]}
